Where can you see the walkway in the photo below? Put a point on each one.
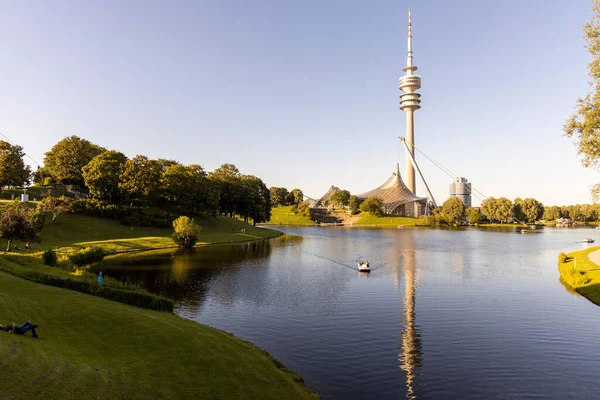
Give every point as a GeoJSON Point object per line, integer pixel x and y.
{"type": "Point", "coordinates": [594, 257]}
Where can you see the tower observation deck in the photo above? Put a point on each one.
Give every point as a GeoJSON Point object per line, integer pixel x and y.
{"type": "Point", "coordinates": [410, 101]}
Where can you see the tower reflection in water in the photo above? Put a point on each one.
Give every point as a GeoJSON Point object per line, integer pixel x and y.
{"type": "Point", "coordinates": [410, 351]}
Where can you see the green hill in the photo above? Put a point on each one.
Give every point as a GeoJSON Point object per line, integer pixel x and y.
{"type": "Point", "coordinates": [95, 348]}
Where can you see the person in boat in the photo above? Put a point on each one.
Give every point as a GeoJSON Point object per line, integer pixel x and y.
{"type": "Point", "coordinates": [21, 330]}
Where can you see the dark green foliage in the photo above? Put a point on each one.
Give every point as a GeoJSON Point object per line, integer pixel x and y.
{"type": "Point", "coordinates": [49, 257]}
{"type": "Point", "coordinates": [13, 171]}
{"type": "Point", "coordinates": [87, 256]}
{"type": "Point", "coordinates": [354, 205]}
{"type": "Point", "coordinates": [67, 158]}
{"type": "Point", "coordinates": [372, 205]}
{"type": "Point", "coordinates": [302, 209]}
{"type": "Point", "coordinates": [19, 222]}
{"type": "Point", "coordinates": [186, 232]}
{"type": "Point", "coordinates": [128, 216]}
{"type": "Point", "coordinates": [562, 257]}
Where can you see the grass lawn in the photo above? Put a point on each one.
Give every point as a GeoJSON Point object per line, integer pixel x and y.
{"type": "Point", "coordinates": [367, 219]}
{"type": "Point", "coordinates": [95, 348]}
{"type": "Point", "coordinates": [581, 274]}
{"type": "Point", "coordinates": [284, 216]}
{"type": "Point", "coordinates": [80, 231]}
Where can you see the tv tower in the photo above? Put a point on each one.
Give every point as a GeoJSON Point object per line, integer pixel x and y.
{"type": "Point", "coordinates": [409, 102]}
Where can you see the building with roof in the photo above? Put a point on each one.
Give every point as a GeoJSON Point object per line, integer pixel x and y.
{"type": "Point", "coordinates": [397, 198]}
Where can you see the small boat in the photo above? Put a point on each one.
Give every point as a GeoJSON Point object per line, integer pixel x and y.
{"type": "Point", "coordinates": [523, 230]}
{"type": "Point", "coordinates": [364, 266]}
{"type": "Point", "coordinates": [588, 240]}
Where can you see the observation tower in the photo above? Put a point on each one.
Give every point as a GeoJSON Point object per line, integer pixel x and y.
{"type": "Point", "coordinates": [410, 101]}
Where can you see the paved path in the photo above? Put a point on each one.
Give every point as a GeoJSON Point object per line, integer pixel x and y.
{"type": "Point", "coordinates": [594, 257]}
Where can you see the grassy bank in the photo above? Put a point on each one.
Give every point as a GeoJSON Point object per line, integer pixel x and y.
{"type": "Point", "coordinates": [284, 216]}
{"type": "Point", "coordinates": [95, 348]}
{"type": "Point", "coordinates": [81, 231]}
{"type": "Point", "coordinates": [581, 274]}
{"type": "Point", "coordinates": [369, 220]}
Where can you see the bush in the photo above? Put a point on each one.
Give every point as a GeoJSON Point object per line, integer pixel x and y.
{"type": "Point", "coordinates": [562, 257]}
{"type": "Point", "coordinates": [186, 232]}
{"type": "Point", "coordinates": [87, 256]}
{"type": "Point", "coordinates": [49, 257]}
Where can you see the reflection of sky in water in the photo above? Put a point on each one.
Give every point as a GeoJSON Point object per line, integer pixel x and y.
{"type": "Point", "coordinates": [467, 314]}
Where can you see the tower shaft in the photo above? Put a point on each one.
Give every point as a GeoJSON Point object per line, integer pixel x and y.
{"type": "Point", "coordinates": [410, 101]}
{"type": "Point", "coordinates": [410, 142]}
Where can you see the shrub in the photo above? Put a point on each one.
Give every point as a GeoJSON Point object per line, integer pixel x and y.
{"type": "Point", "coordinates": [186, 232]}
{"type": "Point", "coordinates": [562, 257]}
{"type": "Point", "coordinates": [87, 256]}
{"type": "Point", "coordinates": [49, 257]}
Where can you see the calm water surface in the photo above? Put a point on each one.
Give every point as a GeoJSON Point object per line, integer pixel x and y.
{"type": "Point", "coordinates": [466, 314]}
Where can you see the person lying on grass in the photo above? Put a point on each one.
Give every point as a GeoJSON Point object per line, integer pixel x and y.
{"type": "Point", "coordinates": [26, 327]}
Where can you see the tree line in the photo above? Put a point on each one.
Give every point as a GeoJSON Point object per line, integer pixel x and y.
{"type": "Point", "coordinates": [114, 178]}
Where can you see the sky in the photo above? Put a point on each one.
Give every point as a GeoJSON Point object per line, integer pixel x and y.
{"type": "Point", "coordinates": [305, 94]}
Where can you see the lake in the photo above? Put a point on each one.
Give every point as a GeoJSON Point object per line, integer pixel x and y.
{"type": "Point", "coordinates": [468, 313]}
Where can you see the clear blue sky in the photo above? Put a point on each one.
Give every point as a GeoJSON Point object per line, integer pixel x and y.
{"type": "Point", "coordinates": [305, 94]}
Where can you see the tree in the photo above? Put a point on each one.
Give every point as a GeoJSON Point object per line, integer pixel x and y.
{"type": "Point", "coordinates": [53, 206]}
{"type": "Point", "coordinates": [354, 205]}
{"type": "Point", "coordinates": [101, 175]}
{"type": "Point", "coordinates": [19, 222]}
{"type": "Point", "coordinates": [13, 171]}
{"type": "Point", "coordinates": [454, 209]}
{"type": "Point", "coordinates": [532, 209]}
{"type": "Point", "coordinates": [140, 178]}
{"type": "Point", "coordinates": [519, 209]}
{"type": "Point", "coordinates": [296, 196]}
{"type": "Point", "coordinates": [42, 177]}
{"type": "Point", "coordinates": [505, 209]}
{"type": "Point", "coordinates": [551, 213]}
{"type": "Point", "coordinates": [229, 178]}
{"type": "Point", "coordinates": [67, 158]}
{"type": "Point", "coordinates": [186, 232]}
{"type": "Point", "coordinates": [302, 209]}
{"type": "Point", "coordinates": [372, 205]}
{"type": "Point", "coordinates": [256, 201]}
{"type": "Point", "coordinates": [279, 196]}
{"type": "Point", "coordinates": [489, 208]}
{"type": "Point", "coordinates": [341, 198]}
{"type": "Point", "coordinates": [584, 124]}
{"type": "Point", "coordinates": [474, 216]}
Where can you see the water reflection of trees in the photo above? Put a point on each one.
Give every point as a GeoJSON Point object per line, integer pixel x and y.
{"type": "Point", "coordinates": [184, 276]}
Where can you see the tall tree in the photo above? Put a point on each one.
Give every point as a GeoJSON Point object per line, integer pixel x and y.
{"type": "Point", "coordinates": [454, 209]}
{"type": "Point", "coordinates": [102, 173]}
{"type": "Point", "coordinates": [229, 178]}
{"type": "Point", "coordinates": [296, 196]}
{"type": "Point", "coordinates": [19, 222]}
{"type": "Point", "coordinates": [532, 209]}
{"type": "Point", "coordinates": [67, 158]}
{"type": "Point", "coordinates": [474, 216]}
{"type": "Point", "coordinates": [519, 209]}
{"type": "Point", "coordinates": [256, 200]}
{"type": "Point", "coordinates": [372, 205]}
{"type": "Point", "coordinates": [341, 198]}
{"type": "Point", "coordinates": [13, 171]}
{"type": "Point", "coordinates": [505, 209]}
{"type": "Point", "coordinates": [584, 124]}
{"type": "Point", "coordinates": [140, 178]}
{"type": "Point", "coordinates": [279, 196]}
{"type": "Point", "coordinates": [354, 205]}
{"type": "Point", "coordinates": [489, 208]}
